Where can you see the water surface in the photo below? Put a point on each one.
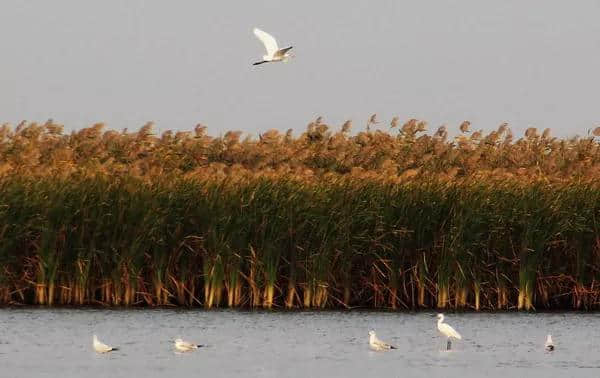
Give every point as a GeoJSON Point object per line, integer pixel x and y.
{"type": "Point", "coordinates": [57, 343]}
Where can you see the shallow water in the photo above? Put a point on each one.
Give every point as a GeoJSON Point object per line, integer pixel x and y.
{"type": "Point", "coordinates": [57, 343]}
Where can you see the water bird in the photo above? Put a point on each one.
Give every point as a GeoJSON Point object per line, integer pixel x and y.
{"type": "Point", "coordinates": [447, 331]}
{"type": "Point", "coordinates": [274, 53]}
{"type": "Point", "coordinates": [549, 346]}
{"type": "Point", "coordinates": [100, 347]}
{"type": "Point", "coordinates": [185, 346]}
{"type": "Point", "coordinates": [377, 344]}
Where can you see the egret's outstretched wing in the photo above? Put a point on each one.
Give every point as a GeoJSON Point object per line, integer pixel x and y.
{"type": "Point", "coordinates": [267, 40]}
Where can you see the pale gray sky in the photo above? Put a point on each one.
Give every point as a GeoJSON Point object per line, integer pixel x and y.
{"type": "Point", "coordinates": [183, 62]}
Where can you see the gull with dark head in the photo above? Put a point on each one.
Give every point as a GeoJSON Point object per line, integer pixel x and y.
{"type": "Point", "coordinates": [274, 53]}
{"type": "Point", "coordinates": [377, 344]}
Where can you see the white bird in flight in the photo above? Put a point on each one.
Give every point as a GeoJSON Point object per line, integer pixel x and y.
{"type": "Point", "coordinates": [100, 347]}
{"type": "Point", "coordinates": [184, 346]}
{"type": "Point", "coordinates": [377, 344]}
{"type": "Point", "coordinates": [447, 331]}
{"type": "Point", "coordinates": [549, 346]}
{"type": "Point", "coordinates": [274, 53]}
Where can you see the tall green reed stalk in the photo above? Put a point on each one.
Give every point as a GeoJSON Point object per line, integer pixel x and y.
{"type": "Point", "coordinates": [271, 241]}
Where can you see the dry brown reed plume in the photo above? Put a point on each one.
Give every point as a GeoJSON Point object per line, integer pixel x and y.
{"type": "Point", "coordinates": [41, 149]}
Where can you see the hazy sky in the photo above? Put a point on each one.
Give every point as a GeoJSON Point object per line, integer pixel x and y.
{"type": "Point", "coordinates": [182, 62]}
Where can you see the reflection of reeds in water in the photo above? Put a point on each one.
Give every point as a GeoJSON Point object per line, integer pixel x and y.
{"type": "Point", "coordinates": [323, 220]}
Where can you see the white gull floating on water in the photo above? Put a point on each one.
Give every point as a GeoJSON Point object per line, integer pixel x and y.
{"type": "Point", "coordinates": [377, 344]}
{"type": "Point", "coordinates": [184, 346]}
{"type": "Point", "coordinates": [447, 331]}
{"type": "Point", "coordinates": [549, 346]}
{"type": "Point", "coordinates": [100, 347]}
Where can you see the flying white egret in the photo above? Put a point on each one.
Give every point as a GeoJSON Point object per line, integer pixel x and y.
{"type": "Point", "coordinates": [447, 331]}
{"type": "Point", "coordinates": [549, 346]}
{"type": "Point", "coordinates": [100, 347]}
{"type": "Point", "coordinates": [185, 346]}
{"type": "Point", "coordinates": [274, 53]}
{"type": "Point", "coordinates": [377, 344]}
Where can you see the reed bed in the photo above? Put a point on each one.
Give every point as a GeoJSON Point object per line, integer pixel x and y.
{"type": "Point", "coordinates": [398, 219]}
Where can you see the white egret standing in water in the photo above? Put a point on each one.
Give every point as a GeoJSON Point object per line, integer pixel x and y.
{"type": "Point", "coordinates": [549, 346]}
{"type": "Point", "coordinates": [100, 347]}
{"type": "Point", "coordinates": [447, 331]}
{"type": "Point", "coordinates": [377, 344]}
{"type": "Point", "coordinates": [274, 53]}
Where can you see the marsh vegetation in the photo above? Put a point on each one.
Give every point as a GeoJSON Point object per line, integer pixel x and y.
{"type": "Point", "coordinates": [398, 219]}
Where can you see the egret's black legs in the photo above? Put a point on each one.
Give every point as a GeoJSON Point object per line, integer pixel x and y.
{"type": "Point", "coordinates": [449, 345]}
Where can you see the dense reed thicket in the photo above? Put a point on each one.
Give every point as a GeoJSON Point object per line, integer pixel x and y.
{"type": "Point", "coordinates": [381, 220]}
